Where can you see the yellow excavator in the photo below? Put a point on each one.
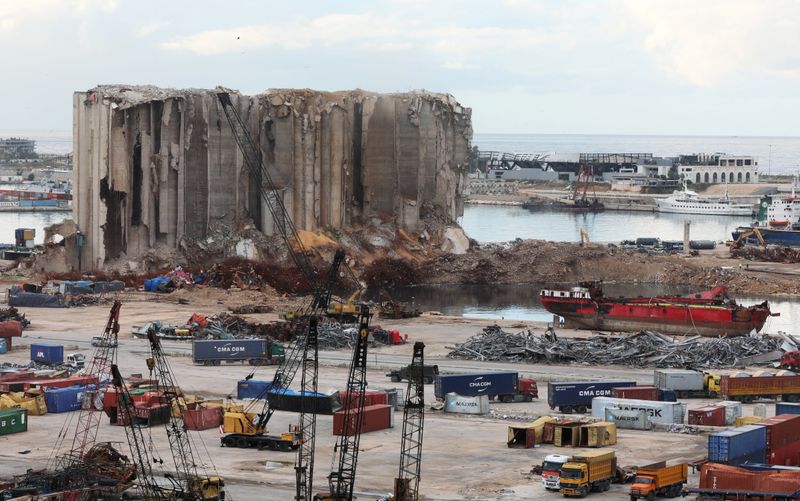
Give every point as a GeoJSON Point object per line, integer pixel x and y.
{"type": "Point", "coordinates": [743, 237]}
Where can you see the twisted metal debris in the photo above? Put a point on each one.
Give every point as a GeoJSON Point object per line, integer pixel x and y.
{"type": "Point", "coordinates": [645, 349]}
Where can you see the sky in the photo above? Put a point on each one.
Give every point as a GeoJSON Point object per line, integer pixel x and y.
{"type": "Point", "coordinates": [715, 67]}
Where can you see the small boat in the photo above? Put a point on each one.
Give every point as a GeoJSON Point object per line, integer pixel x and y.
{"type": "Point", "coordinates": [711, 313]}
{"type": "Point", "coordinates": [689, 202]}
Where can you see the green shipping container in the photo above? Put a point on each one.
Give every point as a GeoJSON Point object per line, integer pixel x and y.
{"type": "Point", "coordinates": [13, 421]}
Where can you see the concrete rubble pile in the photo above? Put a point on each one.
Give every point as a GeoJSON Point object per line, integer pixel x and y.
{"type": "Point", "coordinates": [158, 171]}
{"type": "Point", "coordinates": [772, 253]}
{"type": "Point", "coordinates": [644, 349]}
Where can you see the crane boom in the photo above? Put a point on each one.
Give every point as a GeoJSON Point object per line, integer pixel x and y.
{"type": "Point", "coordinates": [308, 415]}
{"type": "Point", "coordinates": [406, 485]}
{"type": "Point", "coordinates": [342, 480]}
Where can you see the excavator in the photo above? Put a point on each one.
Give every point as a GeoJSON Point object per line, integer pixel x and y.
{"type": "Point", "coordinates": [246, 427]}
{"type": "Point", "coordinates": [743, 238]}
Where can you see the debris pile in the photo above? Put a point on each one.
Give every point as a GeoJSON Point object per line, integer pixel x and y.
{"type": "Point", "coordinates": [645, 349]}
{"type": "Point", "coordinates": [12, 313]}
{"type": "Point", "coordinates": [772, 253]}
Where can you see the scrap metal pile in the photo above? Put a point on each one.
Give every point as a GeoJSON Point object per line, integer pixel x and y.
{"type": "Point", "coordinates": [12, 313]}
{"type": "Point", "coordinates": [772, 253]}
{"type": "Point", "coordinates": [645, 349]}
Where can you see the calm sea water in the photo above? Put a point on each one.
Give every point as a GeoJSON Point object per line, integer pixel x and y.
{"type": "Point", "coordinates": [495, 223]}
{"type": "Point", "coordinates": [776, 155]}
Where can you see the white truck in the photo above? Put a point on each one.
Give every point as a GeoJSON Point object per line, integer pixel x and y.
{"type": "Point", "coordinates": [551, 470]}
{"type": "Point", "coordinates": [75, 360]}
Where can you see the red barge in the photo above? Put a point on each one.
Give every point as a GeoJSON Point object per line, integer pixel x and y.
{"type": "Point", "coordinates": [710, 313]}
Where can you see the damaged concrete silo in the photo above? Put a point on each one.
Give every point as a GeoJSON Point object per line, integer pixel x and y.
{"type": "Point", "coordinates": [153, 166]}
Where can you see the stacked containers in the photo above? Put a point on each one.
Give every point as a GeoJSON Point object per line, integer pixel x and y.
{"type": "Point", "coordinates": [708, 415]}
{"type": "Point", "coordinates": [738, 445]}
{"type": "Point", "coordinates": [782, 439]}
{"type": "Point", "coordinates": [787, 408]}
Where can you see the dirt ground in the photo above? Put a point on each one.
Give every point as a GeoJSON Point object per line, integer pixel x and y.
{"type": "Point", "coordinates": [464, 457]}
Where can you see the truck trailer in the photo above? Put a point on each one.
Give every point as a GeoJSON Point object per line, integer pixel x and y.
{"type": "Point", "coordinates": [503, 386]}
{"type": "Point", "coordinates": [748, 389]}
{"type": "Point", "coordinates": [588, 471]}
{"type": "Point", "coordinates": [658, 479]}
{"type": "Point", "coordinates": [252, 351]}
{"type": "Point", "coordinates": [687, 383]}
{"type": "Point", "coordinates": [576, 396]}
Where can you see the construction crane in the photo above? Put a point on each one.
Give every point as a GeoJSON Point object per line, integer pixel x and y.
{"type": "Point", "coordinates": [304, 466]}
{"type": "Point", "coordinates": [136, 441]}
{"type": "Point", "coordinates": [341, 481]}
{"type": "Point", "coordinates": [189, 485]}
{"type": "Point", "coordinates": [406, 485]}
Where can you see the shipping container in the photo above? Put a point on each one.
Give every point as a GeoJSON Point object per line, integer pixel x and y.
{"type": "Point", "coordinates": [376, 417]}
{"type": "Point", "coordinates": [526, 436]}
{"type": "Point", "coordinates": [47, 353]}
{"type": "Point", "coordinates": [708, 415]}
{"type": "Point", "coordinates": [680, 380]}
{"type": "Point", "coordinates": [254, 351]}
{"type": "Point", "coordinates": [468, 385]}
{"type": "Point", "coordinates": [567, 434]}
{"type": "Point", "coordinates": [64, 399]}
{"type": "Point", "coordinates": [371, 397]}
{"type": "Point", "coordinates": [13, 421]}
{"type": "Point", "coordinates": [657, 412]}
{"type": "Point", "coordinates": [577, 396]}
{"type": "Point", "coordinates": [788, 455]}
{"type": "Point", "coordinates": [293, 401]}
{"type": "Point", "coordinates": [458, 404]}
{"type": "Point", "coordinates": [9, 329]}
{"type": "Point", "coordinates": [637, 392]}
{"type": "Point", "coordinates": [61, 382]}
{"type": "Point", "coordinates": [733, 410]}
{"type": "Point", "coordinates": [630, 419]}
{"type": "Point", "coordinates": [745, 420]}
{"type": "Point", "coordinates": [598, 434]}
{"type": "Point", "coordinates": [782, 430]}
{"type": "Point", "coordinates": [731, 478]}
{"type": "Point", "coordinates": [787, 408]}
{"type": "Point", "coordinates": [252, 388]}
{"type": "Point", "coordinates": [738, 445]}
{"type": "Point", "coordinates": [201, 417]}
{"type": "Point", "coordinates": [3, 348]}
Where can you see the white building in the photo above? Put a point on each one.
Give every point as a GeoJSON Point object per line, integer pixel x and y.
{"type": "Point", "coordinates": [720, 168]}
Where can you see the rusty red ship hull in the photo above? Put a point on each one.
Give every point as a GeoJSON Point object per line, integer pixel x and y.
{"type": "Point", "coordinates": [710, 313]}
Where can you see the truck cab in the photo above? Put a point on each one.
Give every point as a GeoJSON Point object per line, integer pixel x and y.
{"type": "Point", "coordinates": [75, 360]}
{"type": "Point", "coordinates": [574, 479]}
{"type": "Point", "coordinates": [588, 471]}
{"type": "Point", "coordinates": [528, 389]}
{"type": "Point", "coordinates": [712, 383]}
{"type": "Point", "coordinates": [551, 470]}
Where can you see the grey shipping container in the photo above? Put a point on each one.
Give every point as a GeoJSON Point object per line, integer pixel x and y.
{"type": "Point", "coordinates": [468, 385]}
{"type": "Point", "coordinates": [679, 379]}
{"type": "Point", "coordinates": [629, 419]}
{"type": "Point", "coordinates": [571, 396]}
{"type": "Point", "coordinates": [13, 421]}
{"type": "Point", "coordinates": [738, 445]}
{"type": "Point", "coordinates": [658, 412]}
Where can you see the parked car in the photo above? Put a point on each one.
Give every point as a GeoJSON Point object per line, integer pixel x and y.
{"type": "Point", "coordinates": [98, 341]}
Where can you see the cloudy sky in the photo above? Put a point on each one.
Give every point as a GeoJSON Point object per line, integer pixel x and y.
{"type": "Point", "coordinates": [719, 67]}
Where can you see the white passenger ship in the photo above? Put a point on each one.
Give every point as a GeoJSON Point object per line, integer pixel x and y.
{"type": "Point", "coordinates": [689, 202]}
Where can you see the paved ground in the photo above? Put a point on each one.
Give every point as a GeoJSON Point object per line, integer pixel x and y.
{"type": "Point", "coordinates": [465, 457]}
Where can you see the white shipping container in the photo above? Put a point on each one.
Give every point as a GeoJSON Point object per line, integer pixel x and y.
{"type": "Point", "coordinates": [733, 410]}
{"type": "Point", "coordinates": [678, 379]}
{"type": "Point", "coordinates": [657, 412]}
{"type": "Point", "coordinates": [760, 410]}
{"type": "Point", "coordinates": [458, 404]}
{"type": "Point", "coordinates": [632, 420]}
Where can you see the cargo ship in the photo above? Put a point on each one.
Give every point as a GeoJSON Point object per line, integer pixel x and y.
{"type": "Point", "coordinates": [710, 313]}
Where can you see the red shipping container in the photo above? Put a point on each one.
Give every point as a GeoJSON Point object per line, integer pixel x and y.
{"type": "Point", "coordinates": [788, 455]}
{"type": "Point", "coordinates": [370, 398]}
{"type": "Point", "coordinates": [636, 392]}
{"type": "Point", "coordinates": [63, 382]}
{"type": "Point", "coordinates": [202, 418]}
{"type": "Point", "coordinates": [10, 328]}
{"type": "Point", "coordinates": [376, 417]}
{"type": "Point", "coordinates": [709, 415]}
{"type": "Point", "coordinates": [16, 376]}
{"type": "Point", "coordinates": [723, 477]}
{"type": "Point", "coordinates": [782, 430]}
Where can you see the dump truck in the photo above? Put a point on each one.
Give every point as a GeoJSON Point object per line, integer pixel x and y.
{"type": "Point", "coordinates": [551, 470]}
{"type": "Point", "coordinates": [658, 479]}
{"type": "Point", "coordinates": [588, 471]}
{"type": "Point", "coordinates": [503, 386]}
{"type": "Point", "coordinates": [748, 389]}
{"type": "Point", "coordinates": [687, 383]}
{"type": "Point", "coordinates": [576, 396]}
{"type": "Point", "coordinates": [429, 373]}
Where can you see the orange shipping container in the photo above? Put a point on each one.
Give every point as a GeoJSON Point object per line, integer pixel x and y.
{"type": "Point", "coordinates": [376, 417]}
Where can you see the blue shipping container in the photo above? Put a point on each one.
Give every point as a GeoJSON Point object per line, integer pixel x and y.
{"type": "Point", "coordinates": [737, 445]}
{"type": "Point", "coordinates": [252, 388]}
{"type": "Point", "coordinates": [787, 408]}
{"type": "Point", "coordinates": [64, 399]}
{"type": "Point", "coordinates": [468, 385]}
{"type": "Point", "coordinates": [572, 393]}
{"type": "Point", "coordinates": [230, 349]}
{"type": "Point", "coordinates": [3, 347]}
{"type": "Point", "coordinates": [47, 353]}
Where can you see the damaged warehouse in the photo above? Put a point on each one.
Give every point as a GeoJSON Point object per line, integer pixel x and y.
{"type": "Point", "coordinates": [154, 166]}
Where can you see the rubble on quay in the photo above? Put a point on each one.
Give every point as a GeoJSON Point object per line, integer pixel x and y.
{"type": "Point", "coordinates": [644, 349]}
